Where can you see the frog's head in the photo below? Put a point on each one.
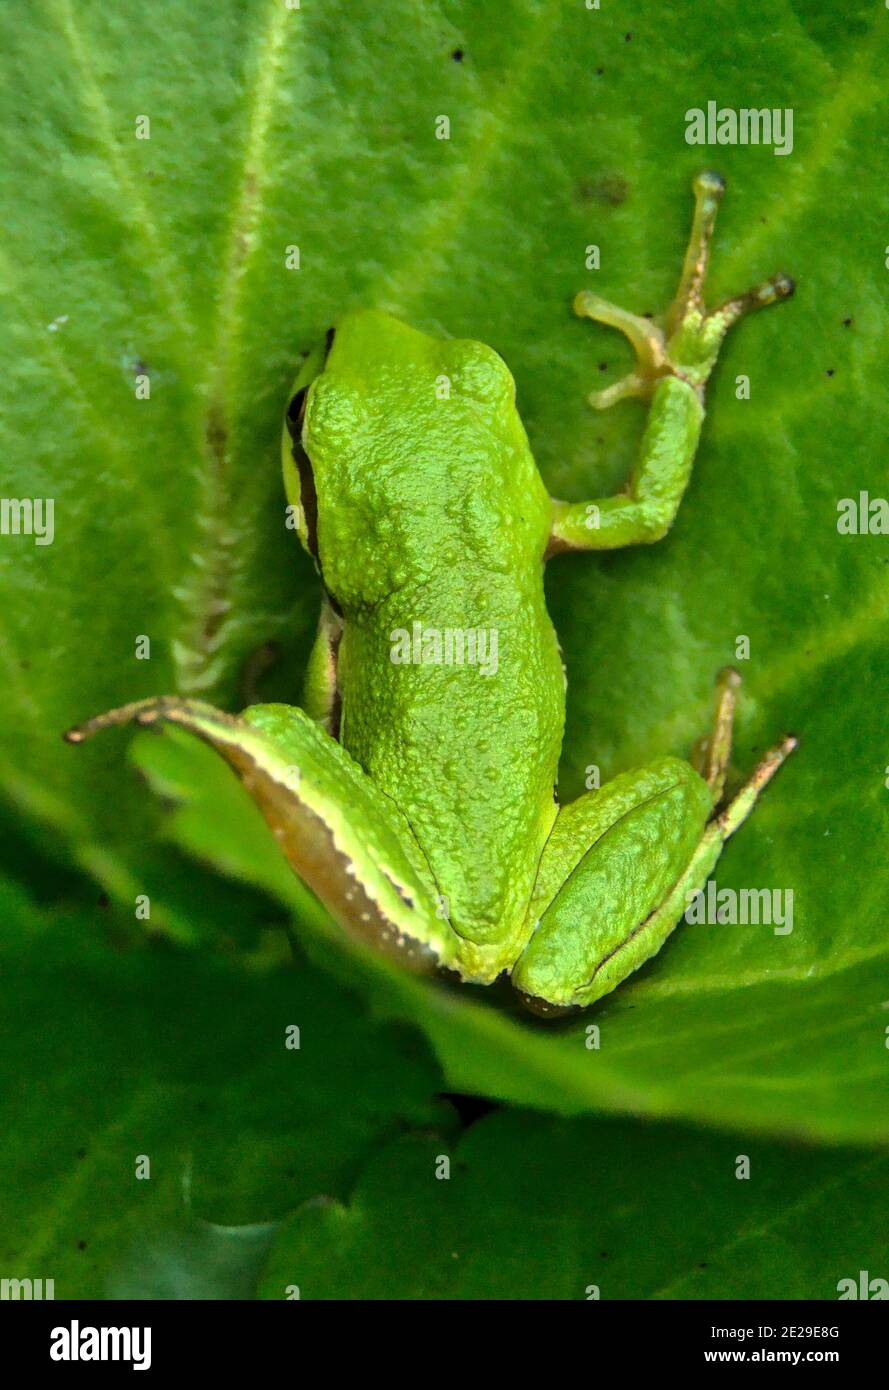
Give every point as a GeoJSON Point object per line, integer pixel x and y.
{"type": "Point", "coordinates": [378, 471]}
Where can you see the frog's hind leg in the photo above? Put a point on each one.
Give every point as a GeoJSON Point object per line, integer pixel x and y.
{"type": "Point", "coordinates": [621, 863]}
{"type": "Point", "coordinates": [344, 837]}
{"type": "Point", "coordinates": [711, 754]}
{"type": "Point", "coordinates": [611, 857]}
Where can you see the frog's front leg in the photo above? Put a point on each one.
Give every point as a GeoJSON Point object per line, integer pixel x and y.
{"type": "Point", "coordinates": [320, 693]}
{"type": "Point", "coordinates": [619, 864]}
{"type": "Point", "coordinates": [673, 366]}
{"type": "Point", "coordinates": [340, 833]}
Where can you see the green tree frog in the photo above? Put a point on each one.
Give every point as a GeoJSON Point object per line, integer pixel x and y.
{"type": "Point", "coordinates": [415, 790]}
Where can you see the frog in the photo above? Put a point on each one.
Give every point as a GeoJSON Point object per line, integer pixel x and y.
{"type": "Point", "coordinates": [415, 790]}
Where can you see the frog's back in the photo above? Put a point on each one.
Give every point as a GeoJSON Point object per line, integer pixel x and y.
{"type": "Point", "coordinates": [432, 522]}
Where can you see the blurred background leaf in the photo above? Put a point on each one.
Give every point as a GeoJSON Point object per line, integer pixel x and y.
{"type": "Point", "coordinates": [112, 1055]}
{"type": "Point", "coordinates": [627, 1210]}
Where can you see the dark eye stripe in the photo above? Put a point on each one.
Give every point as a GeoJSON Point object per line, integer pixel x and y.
{"type": "Point", "coordinates": [295, 412]}
{"type": "Point", "coordinates": [308, 495]}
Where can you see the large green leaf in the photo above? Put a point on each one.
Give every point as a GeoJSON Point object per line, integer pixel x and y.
{"type": "Point", "coordinates": [321, 1167]}
{"type": "Point", "coordinates": [535, 1208]}
{"type": "Point", "coordinates": [273, 127]}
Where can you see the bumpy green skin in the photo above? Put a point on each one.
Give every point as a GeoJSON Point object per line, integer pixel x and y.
{"type": "Point", "coordinates": [437, 514]}
{"type": "Point", "coordinates": [644, 512]}
{"type": "Point", "coordinates": [607, 863]}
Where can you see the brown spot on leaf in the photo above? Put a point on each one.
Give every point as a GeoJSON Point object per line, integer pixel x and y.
{"type": "Point", "coordinates": [611, 190]}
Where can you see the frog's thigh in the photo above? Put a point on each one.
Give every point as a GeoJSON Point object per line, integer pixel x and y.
{"type": "Point", "coordinates": [612, 881]}
{"type": "Point", "coordinates": [341, 834]}
{"type": "Point", "coordinates": [344, 837]}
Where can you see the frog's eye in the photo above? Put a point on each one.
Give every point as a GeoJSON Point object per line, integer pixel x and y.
{"type": "Point", "coordinates": [296, 410]}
